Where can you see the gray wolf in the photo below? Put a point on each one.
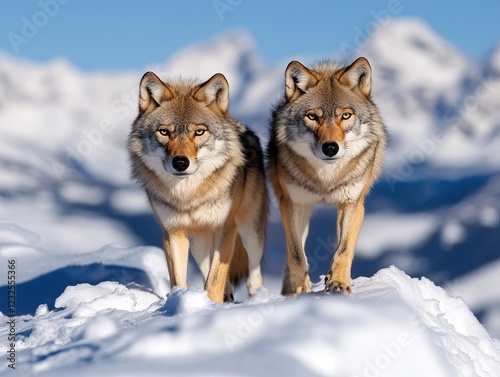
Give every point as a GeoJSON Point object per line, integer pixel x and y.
{"type": "Point", "coordinates": [203, 173]}
{"type": "Point", "coordinates": [326, 145]}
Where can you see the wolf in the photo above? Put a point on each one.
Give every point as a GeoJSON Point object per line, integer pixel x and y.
{"type": "Point", "coordinates": [203, 173]}
{"type": "Point", "coordinates": [326, 145]}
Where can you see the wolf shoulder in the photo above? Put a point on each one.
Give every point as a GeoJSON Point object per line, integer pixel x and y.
{"type": "Point", "coordinates": [251, 147]}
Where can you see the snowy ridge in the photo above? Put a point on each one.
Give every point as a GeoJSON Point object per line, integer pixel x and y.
{"type": "Point", "coordinates": [123, 330]}
{"type": "Point", "coordinates": [21, 243]}
{"type": "Point", "coordinates": [388, 319]}
{"type": "Point", "coordinates": [436, 311]}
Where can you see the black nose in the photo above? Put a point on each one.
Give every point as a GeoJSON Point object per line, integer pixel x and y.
{"type": "Point", "coordinates": [180, 163]}
{"type": "Point", "coordinates": [330, 149]}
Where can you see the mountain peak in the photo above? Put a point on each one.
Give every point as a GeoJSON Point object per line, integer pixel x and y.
{"type": "Point", "coordinates": [234, 54]}
{"type": "Point", "coordinates": [492, 65]}
{"type": "Point", "coordinates": [422, 57]}
{"type": "Point", "coordinates": [408, 56]}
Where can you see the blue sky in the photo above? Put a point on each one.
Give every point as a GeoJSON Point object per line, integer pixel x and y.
{"type": "Point", "coordinates": [114, 34]}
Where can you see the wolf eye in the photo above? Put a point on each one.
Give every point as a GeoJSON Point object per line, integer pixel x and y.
{"type": "Point", "coordinates": [346, 116]}
{"type": "Point", "coordinates": [199, 132]}
{"type": "Point", "coordinates": [164, 132]}
{"type": "Point", "coordinates": [312, 116]}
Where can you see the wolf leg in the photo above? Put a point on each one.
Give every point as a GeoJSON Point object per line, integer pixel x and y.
{"type": "Point", "coordinates": [296, 225]}
{"type": "Point", "coordinates": [176, 246]}
{"type": "Point", "coordinates": [201, 248]}
{"type": "Point", "coordinates": [252, 236]}
{"type": "Point", "coordinates": [224, 242]}
{"type": "Point", "coordinates": [349, 219]}
{"type": "Point", "coordinates": [228, 292]}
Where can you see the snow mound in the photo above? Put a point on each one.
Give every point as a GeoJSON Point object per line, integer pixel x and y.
{"type": "Point", "coordinates": [392, 325]}
{"type": "Point", "coordinates": [435, 310]}
{"type": "Point", "coordinates": [186, 301]}
{"type": "Point", "coordinates": [88, 300]}
{"type": "Point", "coordinates": [20, 243]}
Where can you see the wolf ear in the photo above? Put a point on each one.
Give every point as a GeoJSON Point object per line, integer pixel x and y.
{"type": "Point", "coordinates": [358, 74]}
{"type": "Point", "coordinates": [153, 92]}
{"type": "Point", "coordinates": [298, 79]}
{"type": "Point", "coordinates": [214, 91]}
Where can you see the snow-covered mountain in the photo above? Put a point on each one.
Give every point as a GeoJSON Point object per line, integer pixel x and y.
{"type": "Point", "coordinates": [441, 108]}
{"type": "Point", "coordinates": [435, 212]}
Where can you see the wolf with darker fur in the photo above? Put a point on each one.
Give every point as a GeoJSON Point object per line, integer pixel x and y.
{"type": "Point", "coordinates": [203, 173]}
{"type": "Point", "coordinates": [326, 146]}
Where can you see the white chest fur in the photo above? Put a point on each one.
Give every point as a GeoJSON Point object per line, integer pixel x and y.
{"type": "Point", "coordinates": [209, 215]}
{"type": "Point", "coordinates": [345, 193]}
{"type": "Point", "coordinates": [328, 189]}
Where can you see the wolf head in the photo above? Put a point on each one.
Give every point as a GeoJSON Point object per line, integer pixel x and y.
{"type": "Point", "coordinates": [183, 126]}
{"type": "Point", "coordinates": [326, 109]}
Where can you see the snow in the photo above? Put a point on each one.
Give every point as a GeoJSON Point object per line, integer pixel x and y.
{"type": "Point", "coordinates": [489, 216]}
{"type": "Point", "coordinates": [493, 62]}
{"type": "Point", "coordinates": [89, 300]}
{"type": "Point", "coordinates": [129, 201]}
{"type": "Point", "coordinates": [389, 231]}
{"type": "Point", "coordinates": [438, 311]}
{"type": "Point", "coordinates": [20, 243]}
{"type": "Point", "coordinates": [82, 194]}
{"type": "Point", "coordinates": [392, 325]}
{"type": "Point", "coordinates": [63, 231]}
{"type": "Point", "coordinates": [420, 80]}
{"type": "Point", "coordinates": [476, 288]}
{"type": "Point", "coordinates": [452, 233]}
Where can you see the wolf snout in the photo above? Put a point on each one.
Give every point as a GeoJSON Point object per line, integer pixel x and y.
{"type": "Point", "coordinates": [180, 163]}
{"type": "Point", "coordinates": [330, 148]}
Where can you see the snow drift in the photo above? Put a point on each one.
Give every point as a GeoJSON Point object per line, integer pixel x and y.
{"type": "Point", "coordinates": [392, 325]}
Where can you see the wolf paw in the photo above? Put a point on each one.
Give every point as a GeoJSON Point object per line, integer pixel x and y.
{"type": "Point", "coordinates": [297, 289]}
{"type": "Point", "coordinates": [335, 286]}
{"type": "Point", "coordinates": [228, 297]}
{"type": "Point", "coordinates": [304, 288]}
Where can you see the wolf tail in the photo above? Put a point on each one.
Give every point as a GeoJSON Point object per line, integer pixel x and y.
{"type": "Point", "coordinates": [239, 264]}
